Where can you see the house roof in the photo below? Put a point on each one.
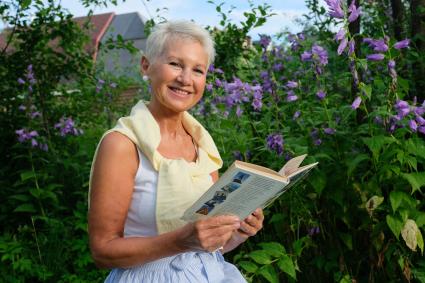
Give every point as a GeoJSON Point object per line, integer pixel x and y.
{"type": "Point", "coordinates": [98, 24]}
{"type": "Point", "coordinates": [101, 27]}
{"type": "Point", "coordinates": [97, 28]}
{"type": "Point", "coordinates": [130, 26]}
{"type": "Point", "coordinates": [3, 39]}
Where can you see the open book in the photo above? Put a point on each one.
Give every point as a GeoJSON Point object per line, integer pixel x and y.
{"type": "Point", "coordinates": [245, 187]}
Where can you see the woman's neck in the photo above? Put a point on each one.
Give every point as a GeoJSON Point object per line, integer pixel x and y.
{"type": "Point", "coordinates": [170, 123]}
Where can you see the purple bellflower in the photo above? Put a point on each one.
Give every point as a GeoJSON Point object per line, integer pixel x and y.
{"type": "Point", "coordinates": [291, 96]}
{"type": "Point", "coordinates": [315, 136]}
{"type": "Point", "coordinates": [237, 155]}
{"type": "Point", "coordinates": [313, 231]}
{"type": "Point", "coordinates": [375, 57]}
{"type": "Point", "coordinates": [340, 34]}
{"type": "Point", "coordinates": [297, 114]}
{"type": "Point", "coordinates": [275, 143]}
{"type": "Point", "coordinates": [356, 102]}
{"type": "Point", "coordinates": [403, 109]}
{"type": "Point", "coordinates": [67, 126]}
{"type": "Point", "coordinates": [335, 9]}
{"type": "Point", "coordinates": [209, 87]}
{"type": "Point", "coordinates": [342, 45]}
{"type": "Point", "coordinates": [378, 45]}
{"type": "Point", "coordinates": [354, 12]}
{"type": "Point", "coordinates": [320, 94]}
{"type": "Point", "coordinates": [413, 125]}
{"type": "Point", "coordinates": [306, 56]}
{"type": "Point", "coordinates": [391, 69]}
{"type": "Point", "coordinates": [291, 84]}
{"type": "Point", "coordinates": [329, 131]}
{"type": "Point", "coordinates": [265, 41]}
{"type": "Point", "coordinates": [402, 44]}
{"type": "Point", "coordinates": [351, 46]}
{"type": "Point", "coordinates": [320, 54]}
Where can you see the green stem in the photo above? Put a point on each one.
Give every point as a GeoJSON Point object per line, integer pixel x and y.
{"type": "Point", "coordinates": [36, 240]}
{"type": "Point", "coordinates": [36, 184]}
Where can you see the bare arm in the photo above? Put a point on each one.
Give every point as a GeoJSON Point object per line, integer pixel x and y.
{"type": "Point", "coordinates": [112, 186]}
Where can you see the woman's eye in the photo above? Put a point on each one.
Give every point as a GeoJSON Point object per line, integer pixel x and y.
{"type": "Point", "coordinates": [174, 64]}
{"type": "Point", "coordinates": [199, 71]}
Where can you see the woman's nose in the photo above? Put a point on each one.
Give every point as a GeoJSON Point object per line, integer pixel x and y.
{"type": "Point", "coordinates": [185, 77]}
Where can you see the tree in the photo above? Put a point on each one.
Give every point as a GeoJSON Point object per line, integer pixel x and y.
{"type": "Point", "coordinates": [417, 8]}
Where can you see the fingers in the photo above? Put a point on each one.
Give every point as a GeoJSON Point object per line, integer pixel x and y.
{"type": "Point", "coordinates": [218, 221]}
{"type": "Point", "coordinates": [213, 233]}
{"type": "Point", "coordinates": [253, 223]}
{"type": "Point", "coordinates": [259, 214]}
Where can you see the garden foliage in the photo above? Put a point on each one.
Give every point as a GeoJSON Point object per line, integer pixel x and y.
{"type": "Point", "coordinates": [344, 98]}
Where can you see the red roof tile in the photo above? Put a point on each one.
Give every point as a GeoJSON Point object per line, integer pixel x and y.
{"type": "Point", "coordinates": [96, 29]}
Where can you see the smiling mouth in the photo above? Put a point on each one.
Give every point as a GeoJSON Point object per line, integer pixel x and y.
{"type": "Point", "coordinates": [179, 91]}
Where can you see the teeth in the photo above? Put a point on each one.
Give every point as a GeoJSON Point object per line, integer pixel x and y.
{"type": "Point", "coordinates": [179, 91]}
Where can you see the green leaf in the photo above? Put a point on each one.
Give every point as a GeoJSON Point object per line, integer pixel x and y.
{"type": "Point", "coordinates": [260, 257]}
{"type": "Point", "coordinates": [248, 266]}
{"type": "Point", "coordinates": [376, 143]}
{"type": "Point", "coordinates": [419, 275]}
{"type": "Point", "coordinates": [272, 248]}
{"type": "Point", "coordinates": [403, 84]}
{"type": "Point", "coordinates": [20, 197]}
{"type": "Point", "coordinates": [413, 163]}
{"type": "Point", "coordinates": [347, 239]}
{"type": "Point", "coordinates": [363, 63]}
{"type": "Point", "coordinates": [269, 273]}
{"type": "Point", "coordinates": [367, 90]}
{"type": "Point", "coordinates": [346, 279]}
{"type": "Point", "coordinates": [27, 207]}
{"type": "Point", "coordinates": [416, 180]}
{"type": "Point", "coordinates": [25, 4]}
{"type": "Point", "coordinates": [35, 193]}
{"type": "Point", "coordinates": [318, 180]}
{"type": "Point", "coordinates": [277, 218]}
{"type": "Point", "coordinates": [299, 245]}
{"type": "Point", "coordinates": [27, 175]}
{"type": "Point", "coordinates": [395, 198]}
{"type": "Point", "coordinates": [400, 262]}
{"type": "Point", "coordinates": [416, 147]}
{"type": "Point", "coordinates": [420, 241]}
{"type": "Point", "coordinates": [420, 219]}
{"type": "Point", "coordinates": [353, 163]}
{"type": "Point", "coordinates": [287, 265]}
{"type": "Point", "coordinates": [395, 225]}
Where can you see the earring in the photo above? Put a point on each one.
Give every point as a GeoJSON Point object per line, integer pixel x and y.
{"type": "Point", "coordinates": [145, 78]}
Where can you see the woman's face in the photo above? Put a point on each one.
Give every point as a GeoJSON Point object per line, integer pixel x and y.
{"type": "Point", "coordinates": [178, 76]}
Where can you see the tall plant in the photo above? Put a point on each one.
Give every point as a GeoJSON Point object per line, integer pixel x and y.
{"type": "Point", "coordinates": [361, 215]}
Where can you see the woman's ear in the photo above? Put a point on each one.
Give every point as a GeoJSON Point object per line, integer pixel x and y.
{"type": "Point", "coordinates": [144, 65]}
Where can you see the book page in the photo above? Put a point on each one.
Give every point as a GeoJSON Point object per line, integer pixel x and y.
{"type": "Point", "coordinates": [238, 192]}
{"type": "Point", "coordinates": [301, 170]}
{"type": "Point", "coordinates": [292, 165]}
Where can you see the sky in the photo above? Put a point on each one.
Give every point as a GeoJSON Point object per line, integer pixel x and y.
{"type": "Point", "coordinates": [203, 12]}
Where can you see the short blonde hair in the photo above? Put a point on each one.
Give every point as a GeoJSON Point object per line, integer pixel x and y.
{"type": "Point", "coordinates": [163, 33]}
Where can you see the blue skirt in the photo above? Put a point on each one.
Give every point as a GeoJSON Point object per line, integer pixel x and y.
{"type": "Point", "coordinates": [187, 267]}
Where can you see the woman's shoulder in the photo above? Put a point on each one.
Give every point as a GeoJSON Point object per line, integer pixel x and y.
{"type": "Point", "coordinates": [116, 144]}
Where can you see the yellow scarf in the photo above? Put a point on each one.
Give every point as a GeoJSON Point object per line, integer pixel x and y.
{"type": "Point", "coordinates": [180, 183]}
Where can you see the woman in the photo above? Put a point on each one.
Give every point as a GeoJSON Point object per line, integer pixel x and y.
{"type": "Point", "coordinates": [153, 165]}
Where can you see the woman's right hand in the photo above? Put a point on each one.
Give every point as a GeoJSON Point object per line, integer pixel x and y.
{"type": "Point", "coordinates": [208, 234]}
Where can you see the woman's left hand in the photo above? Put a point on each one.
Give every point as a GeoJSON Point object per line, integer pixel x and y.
{"type": "Point", "coordinates": [249, 227]}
